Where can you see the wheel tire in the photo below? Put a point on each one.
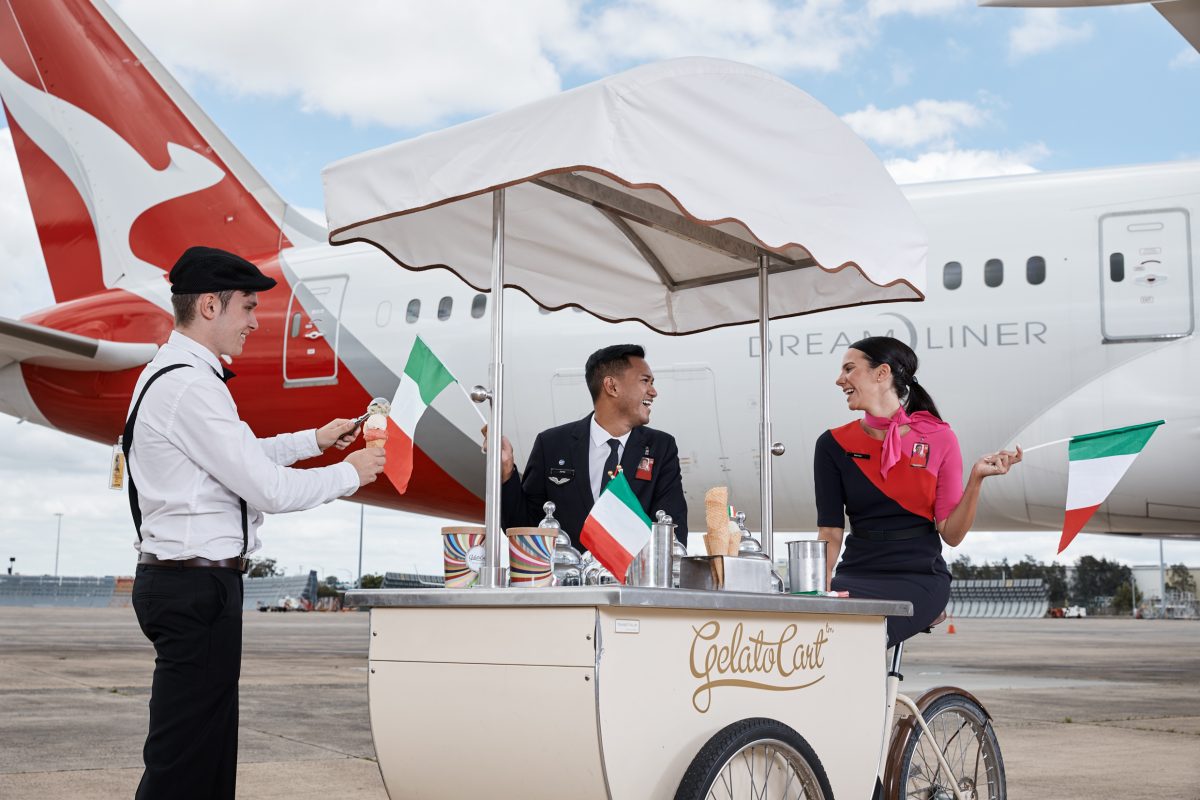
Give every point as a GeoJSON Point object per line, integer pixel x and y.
{"type": "Point", "coordinates": [976, 760]}
{"type": "Point", "coordinates": [751, 740]}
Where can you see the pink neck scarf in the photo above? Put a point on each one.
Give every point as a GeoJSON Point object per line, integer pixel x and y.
{"type": "Point", "coordinates": [922, 422]}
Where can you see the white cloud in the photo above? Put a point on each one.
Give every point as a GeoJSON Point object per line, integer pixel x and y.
{"type": "Point", "coordinates": [916, 8]}
{"type": "Point", "coordinates": [1187, 58]}
{"type": "Point", "coordinates": [946, 165]}
{"type": "Point", "coordinates": [1044, 29]}
{"type": "Point", "coordinates": [412, 65]}
{"type": "Point", "coordinates": [22, 267]}
{"type": "Point", "coordinates": [782, 37]}
{"type": "Point", "coordinates": [922, 123]}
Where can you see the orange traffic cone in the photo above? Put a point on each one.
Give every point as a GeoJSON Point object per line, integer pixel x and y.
{"type": "Point", "coordinates": [950, 627]}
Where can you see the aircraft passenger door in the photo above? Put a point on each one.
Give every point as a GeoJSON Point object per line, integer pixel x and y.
{"type": "Point", "coordinates": [1146, 275]}
{"type": "Point", "coordinates": [310, 337]}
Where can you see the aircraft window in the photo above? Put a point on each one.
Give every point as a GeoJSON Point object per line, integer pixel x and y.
{"type": "Point", "coordinates": [1035, 270]}
{"type": "Point", "coordinates": [478, 306]}
{"type": "Point", "coordinates": [1116, 267]}
{"type": "Point", "coordinates": [445, 307]}
{"type": "Point", "coordinates": [413, 312]}
{"type": "Point", "coordinates": [952, 275]}
{"type": "Point", "coordinates": [993, 272]}
{"type": "Point", "coordinates": [383, 314]}
{"type": "Point", "coordinates": [295, 325]}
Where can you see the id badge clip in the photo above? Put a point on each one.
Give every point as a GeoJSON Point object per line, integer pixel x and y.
{"type": "Point", "coordinates": [920, 455]}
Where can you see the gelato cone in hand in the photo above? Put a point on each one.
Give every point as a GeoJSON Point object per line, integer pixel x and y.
{"type": "Point", "coordinates": [375, 431]}
{"type": "Point", "coordinates": [375, 428]}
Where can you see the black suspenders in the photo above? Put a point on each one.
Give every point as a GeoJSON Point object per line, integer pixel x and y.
{"type": "Point", "coordinates": [127, 443]}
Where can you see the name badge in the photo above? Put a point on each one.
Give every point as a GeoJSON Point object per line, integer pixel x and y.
{"type": "Point", "coordinates": [863, 456]}
{"type": "Point", "coordinates": [645, 469]}
{"type": "Point", "coordinates": [920, 455]}
{"type": "Point", "coordinates": [559, 476]}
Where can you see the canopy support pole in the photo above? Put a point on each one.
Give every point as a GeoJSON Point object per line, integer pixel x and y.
{"type": "Point", "coordinates": [764, 403]}
{"type": "Point", "coordinates": [491, 575]}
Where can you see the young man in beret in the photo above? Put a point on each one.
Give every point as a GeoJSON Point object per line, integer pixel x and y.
{"type": "Point", "coordinates": [199, 484]}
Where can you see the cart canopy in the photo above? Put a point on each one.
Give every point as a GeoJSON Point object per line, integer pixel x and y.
{"type": "Point", "coordinates": [648, 196]}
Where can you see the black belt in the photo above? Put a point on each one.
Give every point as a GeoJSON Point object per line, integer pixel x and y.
{"type": "Point", "coordinates": [242, 565]}
{"type": "Point", "coordinates": [895, 536]}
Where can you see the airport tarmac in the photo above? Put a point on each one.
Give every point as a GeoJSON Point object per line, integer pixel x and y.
{"type": "Point", "coordinates": [1092, 708]}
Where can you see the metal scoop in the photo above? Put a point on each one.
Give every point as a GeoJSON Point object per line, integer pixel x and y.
{"type": "Point", "coordinates": [374, 401]}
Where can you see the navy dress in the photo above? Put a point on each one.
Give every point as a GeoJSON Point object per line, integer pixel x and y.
{"type": "Point", "coordinates": [923, 486]}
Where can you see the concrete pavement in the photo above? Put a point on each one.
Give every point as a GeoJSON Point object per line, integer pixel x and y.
{"type": "Point", "coordinates": [1083, 709]}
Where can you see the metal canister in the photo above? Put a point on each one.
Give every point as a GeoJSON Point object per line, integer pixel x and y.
{"type": "Point", "coordinates": [806, 565]}
{"type": "Point", "coordinates": [652, 567]}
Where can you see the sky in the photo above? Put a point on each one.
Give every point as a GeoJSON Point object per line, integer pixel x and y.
{"type": "Point", "coordinates": [939, 89]}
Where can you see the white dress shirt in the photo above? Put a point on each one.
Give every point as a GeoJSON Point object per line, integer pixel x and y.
{"type": "Point", "coordinates": [598, 455]}
{"type": "Point", "coordinates": [189, 445]}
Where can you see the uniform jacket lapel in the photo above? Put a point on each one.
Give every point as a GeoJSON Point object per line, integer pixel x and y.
{"type": "Point", "coordinates": [581, 453]}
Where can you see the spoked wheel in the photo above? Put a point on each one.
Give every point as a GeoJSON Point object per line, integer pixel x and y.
{"type": "Point", "coordinates": [755, 759]}
{"type": "Point", "coordinates": [963, 733]}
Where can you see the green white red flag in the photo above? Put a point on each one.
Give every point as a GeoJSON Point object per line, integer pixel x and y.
{"type": "Point", "coordinates": [1098, 461]}
{"type": "Point", "coordinates": [423, 379]}
{"type": "Point", "coordinates": [617, 529]}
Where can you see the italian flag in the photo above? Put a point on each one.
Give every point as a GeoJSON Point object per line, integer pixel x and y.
{"type": "Point", "coordinates": [423, 379]}
{"type": "Point", "coordinates": [618, 528]}
{"type": "Point", "coordinates": [1097, 462]}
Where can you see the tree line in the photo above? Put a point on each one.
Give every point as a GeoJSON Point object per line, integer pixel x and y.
{"type": "Point", "coordinates": [1096, 581]}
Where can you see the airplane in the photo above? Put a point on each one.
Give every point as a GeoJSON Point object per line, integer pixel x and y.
{"type": "Point", "coordinates": [1057, 304]}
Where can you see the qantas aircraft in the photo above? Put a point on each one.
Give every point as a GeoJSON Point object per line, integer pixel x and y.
{"type": "Point", "coordinates": [1057, 304]}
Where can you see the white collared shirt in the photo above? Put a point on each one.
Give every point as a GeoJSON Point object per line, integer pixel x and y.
{"type": "Point", "coordinates": [598, 454]}
{"type": "Point", "coordinates": [189, 445]}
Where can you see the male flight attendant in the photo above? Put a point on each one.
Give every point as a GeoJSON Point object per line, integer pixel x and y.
{"type": "Point", "coordinates": [199, 483]}
{"type": "Point", "coordinates": [571, 464]}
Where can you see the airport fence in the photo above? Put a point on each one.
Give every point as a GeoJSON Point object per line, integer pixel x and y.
{"type": "Point", "coordinates": [64, 591]}
{"type": "Point", "coordinates": [411, 580]}
{"type": "Point", "coordinates": [1014, 597]}
{"type": "Point", "coordinates": [280, 592]}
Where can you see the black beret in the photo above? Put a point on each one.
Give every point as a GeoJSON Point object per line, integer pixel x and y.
{"type": "Point", "coordinates": [207, 269]}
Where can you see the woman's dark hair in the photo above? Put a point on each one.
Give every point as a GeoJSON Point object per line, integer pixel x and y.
{"type": "Point", "coordinates": [903, 361]}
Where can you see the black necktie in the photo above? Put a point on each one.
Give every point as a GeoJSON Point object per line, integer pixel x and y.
{"type": "Point", "coordinates": [610, 465]}
{"type": "Point", "coordinates": [226, 374]}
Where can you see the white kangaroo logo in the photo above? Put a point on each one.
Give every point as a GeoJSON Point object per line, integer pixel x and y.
{"type": "Point", "coordinates": [117, 185]}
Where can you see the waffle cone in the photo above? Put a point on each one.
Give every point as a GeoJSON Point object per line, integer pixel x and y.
{"type": "Point", "coordinates": [378, 443]}
{"type": "Point", "coordinates": [716, 508]}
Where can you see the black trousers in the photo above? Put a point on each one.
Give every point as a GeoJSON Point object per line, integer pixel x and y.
{"type": "Point", "coordinates": [193, 617]}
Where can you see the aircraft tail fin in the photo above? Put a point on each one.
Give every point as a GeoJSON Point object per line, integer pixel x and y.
{"type": "Point", "coordinates": [122, 168]}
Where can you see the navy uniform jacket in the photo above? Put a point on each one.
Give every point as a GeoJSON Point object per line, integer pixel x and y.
{"type": "Point", "coordinates": [558, 471]}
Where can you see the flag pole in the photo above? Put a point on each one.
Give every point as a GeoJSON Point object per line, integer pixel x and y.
{"type": "Point", "coordinates": [1045, 444]}
{"type": "Point", "coordinates": [472, 403]}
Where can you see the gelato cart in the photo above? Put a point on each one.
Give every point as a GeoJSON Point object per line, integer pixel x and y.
{"type": "Point", "coordinates": [685, 195]}
{"type": "Point", "coordinates": [621, 692]}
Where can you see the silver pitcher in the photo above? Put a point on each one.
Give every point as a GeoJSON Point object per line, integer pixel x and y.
{"type": "Point", "coordinates": [652, 566]}
{"type": "Point", "coordinates": [806, 566]}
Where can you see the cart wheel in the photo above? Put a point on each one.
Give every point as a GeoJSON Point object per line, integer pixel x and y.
{"type": "Point", "coordinates": [759, 758]}
{"type": "Point", "coordinates": [963, 732]}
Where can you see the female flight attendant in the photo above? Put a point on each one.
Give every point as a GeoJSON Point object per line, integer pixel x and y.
{"type": "Point", "coordinates": [897, 474]}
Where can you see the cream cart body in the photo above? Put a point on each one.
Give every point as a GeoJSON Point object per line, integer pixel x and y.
{"type": "Point", "coordinates": [611, 692]}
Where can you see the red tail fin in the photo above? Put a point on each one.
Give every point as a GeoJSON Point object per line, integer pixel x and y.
{"type": "Point", "coordinates": [122, 169]}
